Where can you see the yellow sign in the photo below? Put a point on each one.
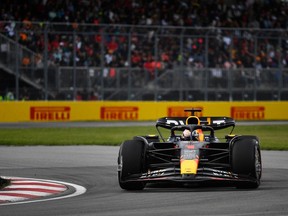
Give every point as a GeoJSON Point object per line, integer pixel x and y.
{"type": "Point", "coordinates": [44, 111]}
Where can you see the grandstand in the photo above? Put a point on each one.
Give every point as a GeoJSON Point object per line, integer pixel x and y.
{"type": "Point", "coordinates": [144, 50]}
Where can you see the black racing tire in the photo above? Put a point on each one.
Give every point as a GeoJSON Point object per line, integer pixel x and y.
{"type": "Point", "coordinates": [246, 161]}
{"type": "Point", "coordinates": [131, 161]}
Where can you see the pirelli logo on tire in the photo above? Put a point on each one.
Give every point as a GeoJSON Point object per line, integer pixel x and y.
{"type": "Point", "coordinates": [45, 113]}
{"type": "Point", "coordinates": [119, 113]}
{"type": "Point", "coordinates": [248, 113]}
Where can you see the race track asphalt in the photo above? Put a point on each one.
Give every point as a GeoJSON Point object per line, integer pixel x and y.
{"type": "Point", "coordinates": [94, 167]}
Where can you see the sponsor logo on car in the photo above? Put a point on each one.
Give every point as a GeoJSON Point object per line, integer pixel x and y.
{"type": "Point", "coordinates": [248, 112]}
{"type": "Point", "coordinates": [56, 113]}
{"type": "Point", "coordinates": [179, 111]}
{"type": "Point", "coordinates": [119, 113]}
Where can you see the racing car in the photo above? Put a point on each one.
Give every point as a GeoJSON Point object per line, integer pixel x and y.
{"type": "Point", "coordinates": [200, 157]}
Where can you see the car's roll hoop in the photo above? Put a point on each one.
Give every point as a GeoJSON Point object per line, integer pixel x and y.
{"type": "Point", "coordinates": [191, 128]}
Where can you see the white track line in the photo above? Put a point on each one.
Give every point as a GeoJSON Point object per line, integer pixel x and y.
{"type": "Point", "coordinates": [20, 200]}
{"type": "Point", "coordinates": [35, 186]}
{"type": "Point", "coordinates": [33, 193]}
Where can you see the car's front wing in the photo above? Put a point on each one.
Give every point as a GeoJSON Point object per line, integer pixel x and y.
{"type": "Point", "coordinates": [203, 174]}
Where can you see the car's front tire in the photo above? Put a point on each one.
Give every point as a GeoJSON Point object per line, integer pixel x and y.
{"type": "Point", "coordinates": [246, 160]}
{"type": "Point", "coordinates": [130, 162]}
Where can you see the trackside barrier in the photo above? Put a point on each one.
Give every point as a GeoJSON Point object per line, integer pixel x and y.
{"type": "Point", "coordinates": [44, 111]}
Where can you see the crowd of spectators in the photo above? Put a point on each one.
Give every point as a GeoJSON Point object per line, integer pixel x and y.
{"type": "Point", "coordinates": [227, 47]}
{"type": "Point", "coordinates": [197, 13]}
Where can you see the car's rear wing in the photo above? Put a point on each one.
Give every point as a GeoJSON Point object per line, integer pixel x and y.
{"type": "Point", "coordinates": [215, 122]}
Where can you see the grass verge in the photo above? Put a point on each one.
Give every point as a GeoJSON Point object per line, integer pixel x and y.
{"type": "Point", "coordinates": [272, 137]}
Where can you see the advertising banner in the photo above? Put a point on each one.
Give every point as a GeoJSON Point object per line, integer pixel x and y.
{"type": "Point", "coordinates": [44, 111]}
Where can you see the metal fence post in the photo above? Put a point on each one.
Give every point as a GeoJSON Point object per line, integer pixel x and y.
{"type": "Point", "coordinates": [129, 67]}
{"type": "Point", "coordinates": [46, 60]}
{"type": "Point", "coordinates": [156, 92]}
{"type": "Point", "coordinates": [206, 73]}
{"type": "Point", "coordinates": [17, 66]}
{"type": "Point", "coordinates": [102, 63]}
{"type": "Point", "coordinates": [74, 65]}
{"type": "Point", "coordinates": [280, 67]}
{"type": "Point", "coordinates": [181, 67]}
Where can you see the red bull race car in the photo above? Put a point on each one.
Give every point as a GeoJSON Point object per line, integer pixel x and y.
{"type": "Point", "coordinates": [191, 153]}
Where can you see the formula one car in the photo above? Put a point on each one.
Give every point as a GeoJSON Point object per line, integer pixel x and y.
{"type": "Point", "coordinates": [200, 157]}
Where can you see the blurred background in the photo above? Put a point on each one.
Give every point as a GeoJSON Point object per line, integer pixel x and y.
{"type": "Point", "coordinates": [176, 50]}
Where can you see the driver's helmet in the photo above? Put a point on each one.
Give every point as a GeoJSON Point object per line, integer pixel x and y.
{"type": "Point", "coordinates": [197, 135]}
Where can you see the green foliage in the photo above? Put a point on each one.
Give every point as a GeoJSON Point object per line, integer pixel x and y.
{"type": "Point", "coordinates": [272, 137]}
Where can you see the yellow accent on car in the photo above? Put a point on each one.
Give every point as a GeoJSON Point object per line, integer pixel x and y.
{"type": "Point", "coordinates": [189, 166]}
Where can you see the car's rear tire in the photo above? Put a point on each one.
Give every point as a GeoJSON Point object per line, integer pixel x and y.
{"type": "Point", "coordinates": [246, 161]}
{"type": "Point", "coordinates": [131, 161]}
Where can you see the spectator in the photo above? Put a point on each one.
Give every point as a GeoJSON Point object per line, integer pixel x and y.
{"type": "Point", "coordinates": [217, 76]}
{"type": "Point", "coordinates": [93, 96]}
{"type": "Point", "coordinates": [195, 13]}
